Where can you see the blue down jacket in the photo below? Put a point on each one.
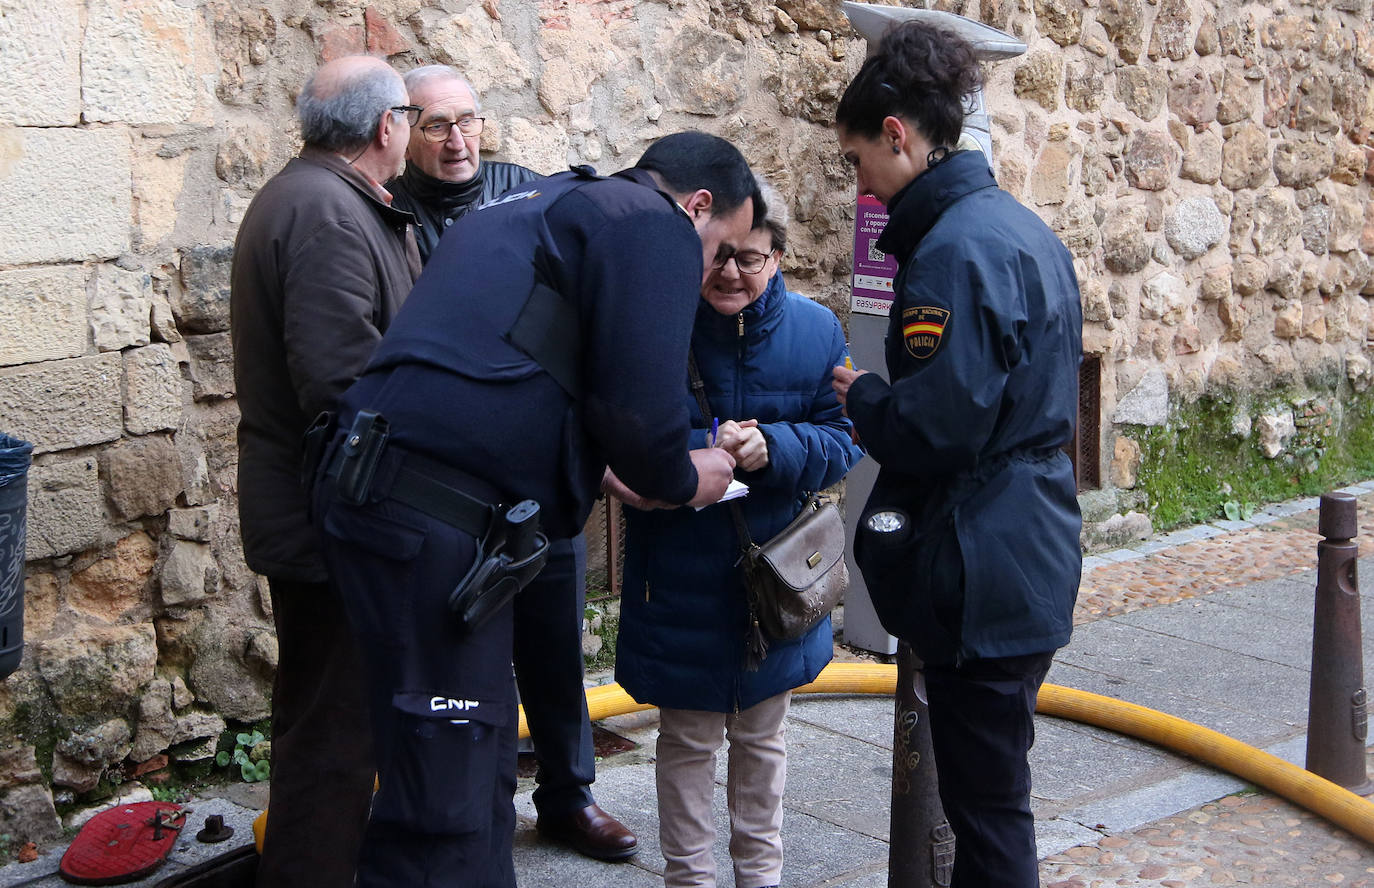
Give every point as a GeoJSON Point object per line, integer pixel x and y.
{"type": "Point", "coordinates": [683, 612]}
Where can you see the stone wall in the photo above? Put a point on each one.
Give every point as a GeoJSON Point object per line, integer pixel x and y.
{"type": "Point", "coordinates": [1205, 163]}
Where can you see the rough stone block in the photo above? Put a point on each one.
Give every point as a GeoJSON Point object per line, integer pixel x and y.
{"type": "Point", "coordinates": [43, 311]}
{"type": "Point", "coordinates": [38, 53]}
{"type": "Point", "coordinates": [98, 669]}
{"type": "Point", "coordinates": [143, 61]}
{"type": "Point", "coordinates": [193, 523]}
{"type": "Point", "coordinates": [1038, 79]}
{"type": "Point", "coordinates": [1195, 226]}
{"type": "Point", "coordinates": [202, 303]}
{"type": "Point", "coordinates": [1060, 20]}
{"type": "Point", "coordinates": [1193, 99]}
{"type": "Point", "coordinates": [189, 575]}
{"type": "Point", "coordinates": [29, 811]}
{"type": "Point", "coordinates": [1049, 182]}
{"type": "Point", "coordinates": [114, 585]}
{"type": "Point", "coordinates": [104, 745]}
{"type": "Point", "coordinates": [80, 180]}
{"type": "Point", "coordinates": [74, 775]}
{"type": "Point", "coordinates": [1299, 164]}
{"type": "Point", "coordinates": [212, 366]}
{"type": "Point", "coordinates": [1152, 160]}
{"type": "Point", "coordinates": [1164, 298]}
{"type": "Point", "coordinates": [159, 727]}
{"type": "Point", "coordinates": [62, 404]}
{"type": "Point", "coordinates": [1202, 158]}
{"type": "Point", "coordinates": [1147, 404]}
{"type": "Point", "coordinates": [121, 308]}
{"type": "Point", "coordinates": [144, 475]}
{"type": "Point", "coordinates": [1142, 89]}
{"type": "Point", "coordinates": [1245, 158]}
{"type": "Point", "coordinates": [219, 675]}
{"type": "Point", "coordinates": [1125, 248]}
{"type": "Point", "coordinates": [1171, 36]}
{"type": "Point", "coordinates": [1347, 224]}
{"type": "Point", "coordinates": [1125, 462]}
{"type": "Point", "coordinates": [1274, 430]}
{"type": "Point", "coordinates": [152, 390]}
{"type": "Point", "coordinates": [66, 510]}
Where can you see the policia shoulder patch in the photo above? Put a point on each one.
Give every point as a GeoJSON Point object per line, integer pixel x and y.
{"type": "Point", "coordinates": [923, 327]}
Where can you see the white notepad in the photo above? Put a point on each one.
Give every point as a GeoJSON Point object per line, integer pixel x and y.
{"type": "Point", "coordinates": [736, 490]}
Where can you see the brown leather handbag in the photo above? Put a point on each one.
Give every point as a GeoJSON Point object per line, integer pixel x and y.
{"type": "Point", "coordinates": [798, 576]}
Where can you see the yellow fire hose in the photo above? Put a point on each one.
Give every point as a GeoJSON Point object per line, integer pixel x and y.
{"type": "Point", "coordinates": [1318, 795]}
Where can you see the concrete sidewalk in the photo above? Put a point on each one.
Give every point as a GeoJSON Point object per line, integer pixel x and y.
{"type": "Point", "coordinates": [1235, 660]}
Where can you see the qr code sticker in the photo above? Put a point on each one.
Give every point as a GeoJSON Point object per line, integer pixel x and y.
{"type": "Point", "coordinates": [875, 254]}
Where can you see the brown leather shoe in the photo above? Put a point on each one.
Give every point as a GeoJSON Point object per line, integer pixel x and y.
{"type": "Point", "coordinates": [591, 831]}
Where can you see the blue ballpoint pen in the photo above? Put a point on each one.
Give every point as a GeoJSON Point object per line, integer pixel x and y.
{"type": "Point", "coordinates": [715, 426]}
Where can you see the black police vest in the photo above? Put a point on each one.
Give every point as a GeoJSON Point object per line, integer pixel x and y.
{"type": "Point", "coordinates": [507, 338]}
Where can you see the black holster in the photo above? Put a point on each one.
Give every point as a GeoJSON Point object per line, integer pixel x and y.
{"type": "Point", "coordinates": [508, 558]}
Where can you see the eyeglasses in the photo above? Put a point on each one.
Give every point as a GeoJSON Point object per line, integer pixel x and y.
{"type": "Point", "coordinates": [748, 262]}
{"type": "Point", "coordinates": [412, 112]}
{"type": "Point", "coordinates": [438, 131]}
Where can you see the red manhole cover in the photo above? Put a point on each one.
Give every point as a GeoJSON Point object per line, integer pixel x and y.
{"type": "Point", "coordinates": [122, 844]}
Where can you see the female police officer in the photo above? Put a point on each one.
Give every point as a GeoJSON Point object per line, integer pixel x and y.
{"type": "Point", "coordinates": [969, 542]}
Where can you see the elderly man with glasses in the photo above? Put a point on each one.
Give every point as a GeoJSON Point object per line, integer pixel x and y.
{"type": "Point", "coordinates": [321, 265]}
{"type": "Point", "coordinates": [445, 179]}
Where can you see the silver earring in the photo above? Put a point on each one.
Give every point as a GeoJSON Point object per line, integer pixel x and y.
{"type": "Point", "coordinates": [895, 149]}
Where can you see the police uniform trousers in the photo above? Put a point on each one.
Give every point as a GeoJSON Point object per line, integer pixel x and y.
{"type": "Point", "coordinates": [549, 669]}
{"type": "Point", "coordinates": [443, 702]}
{"type": "Point", "coordinates": [321, 743]}
{"type": "Point", "coordinates": [981, 731]}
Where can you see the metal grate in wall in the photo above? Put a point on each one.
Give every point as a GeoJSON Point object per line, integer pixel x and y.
{"type": "Point", "coordinates": [1087, 439]}
{"type": "Point", "coordinates": [605, 533]}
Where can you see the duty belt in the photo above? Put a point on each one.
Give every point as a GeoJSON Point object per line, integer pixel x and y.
{"type": "Point", "coordinates": [511, 551]}
{"type": "Point", "coordinates": [365, 468]}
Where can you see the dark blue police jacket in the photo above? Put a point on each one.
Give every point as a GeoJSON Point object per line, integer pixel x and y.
{"type": "Point", "coordinates": [626, 263]}
{"type": "Point", "coordinates": [983, 346]}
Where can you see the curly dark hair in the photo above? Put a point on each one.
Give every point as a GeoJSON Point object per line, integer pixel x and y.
{"type": "Point", "coordinates": [921, 72]}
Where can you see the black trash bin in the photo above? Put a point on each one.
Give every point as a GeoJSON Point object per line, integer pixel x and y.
{"type": "Point", "coordinates": [14, 501]}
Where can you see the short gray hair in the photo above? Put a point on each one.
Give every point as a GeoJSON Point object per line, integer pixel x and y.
{"type": "Point", "coordinates": [418, 77]}
{"type": "Point", "coordinates": [346, 118]}
{"type": "Point", "coordinates": [775, 220]}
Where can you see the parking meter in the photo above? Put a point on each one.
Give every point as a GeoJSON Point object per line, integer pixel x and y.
{"type": "Point", "coordinates": [871, 290]}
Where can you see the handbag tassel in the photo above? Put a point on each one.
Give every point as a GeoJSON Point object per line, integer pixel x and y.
{"type": "Point", "coordinates": [755, 642]}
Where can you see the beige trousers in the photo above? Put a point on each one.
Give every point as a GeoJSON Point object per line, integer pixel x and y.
{"type": "Point", "coordinates": [756, 771]}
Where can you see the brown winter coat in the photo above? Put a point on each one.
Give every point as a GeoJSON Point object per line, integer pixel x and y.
{"type": "Point", "coordinates": [321, 266]}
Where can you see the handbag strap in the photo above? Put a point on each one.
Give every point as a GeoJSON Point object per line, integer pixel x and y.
{"type": "Point", "coordinates": [699, 391]}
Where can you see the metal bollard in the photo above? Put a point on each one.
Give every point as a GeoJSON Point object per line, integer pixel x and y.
{"type": "Point", "coordinates": [1337, 719]}
{"type": "Point", "coordinates": [921, 853]}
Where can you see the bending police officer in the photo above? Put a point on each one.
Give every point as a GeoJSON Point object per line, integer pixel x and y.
{"type": "Point", "coordinates": [546, 340]}
{"type": "Point", "coordinates": [445, 179]}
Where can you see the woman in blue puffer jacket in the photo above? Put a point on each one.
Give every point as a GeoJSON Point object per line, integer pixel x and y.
{"type": "Point", "coordinates": [765, 356]}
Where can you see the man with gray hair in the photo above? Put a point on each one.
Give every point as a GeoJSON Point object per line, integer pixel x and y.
{"type": "Point", "coordinates": [445, 177]}
{"type": "Point", "coordinates": [321, 265]}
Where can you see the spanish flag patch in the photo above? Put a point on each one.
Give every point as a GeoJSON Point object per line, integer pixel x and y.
{"type": "Point", "coordinates": [922, 329]}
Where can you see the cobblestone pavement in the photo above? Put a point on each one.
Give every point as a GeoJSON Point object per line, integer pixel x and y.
{"type": "Point", "coordinates": [1209, 557]}
{"type": "Point", "coordinates": [1251, 838]}
{"type": "Point", "coordinates": [1244, 839]}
